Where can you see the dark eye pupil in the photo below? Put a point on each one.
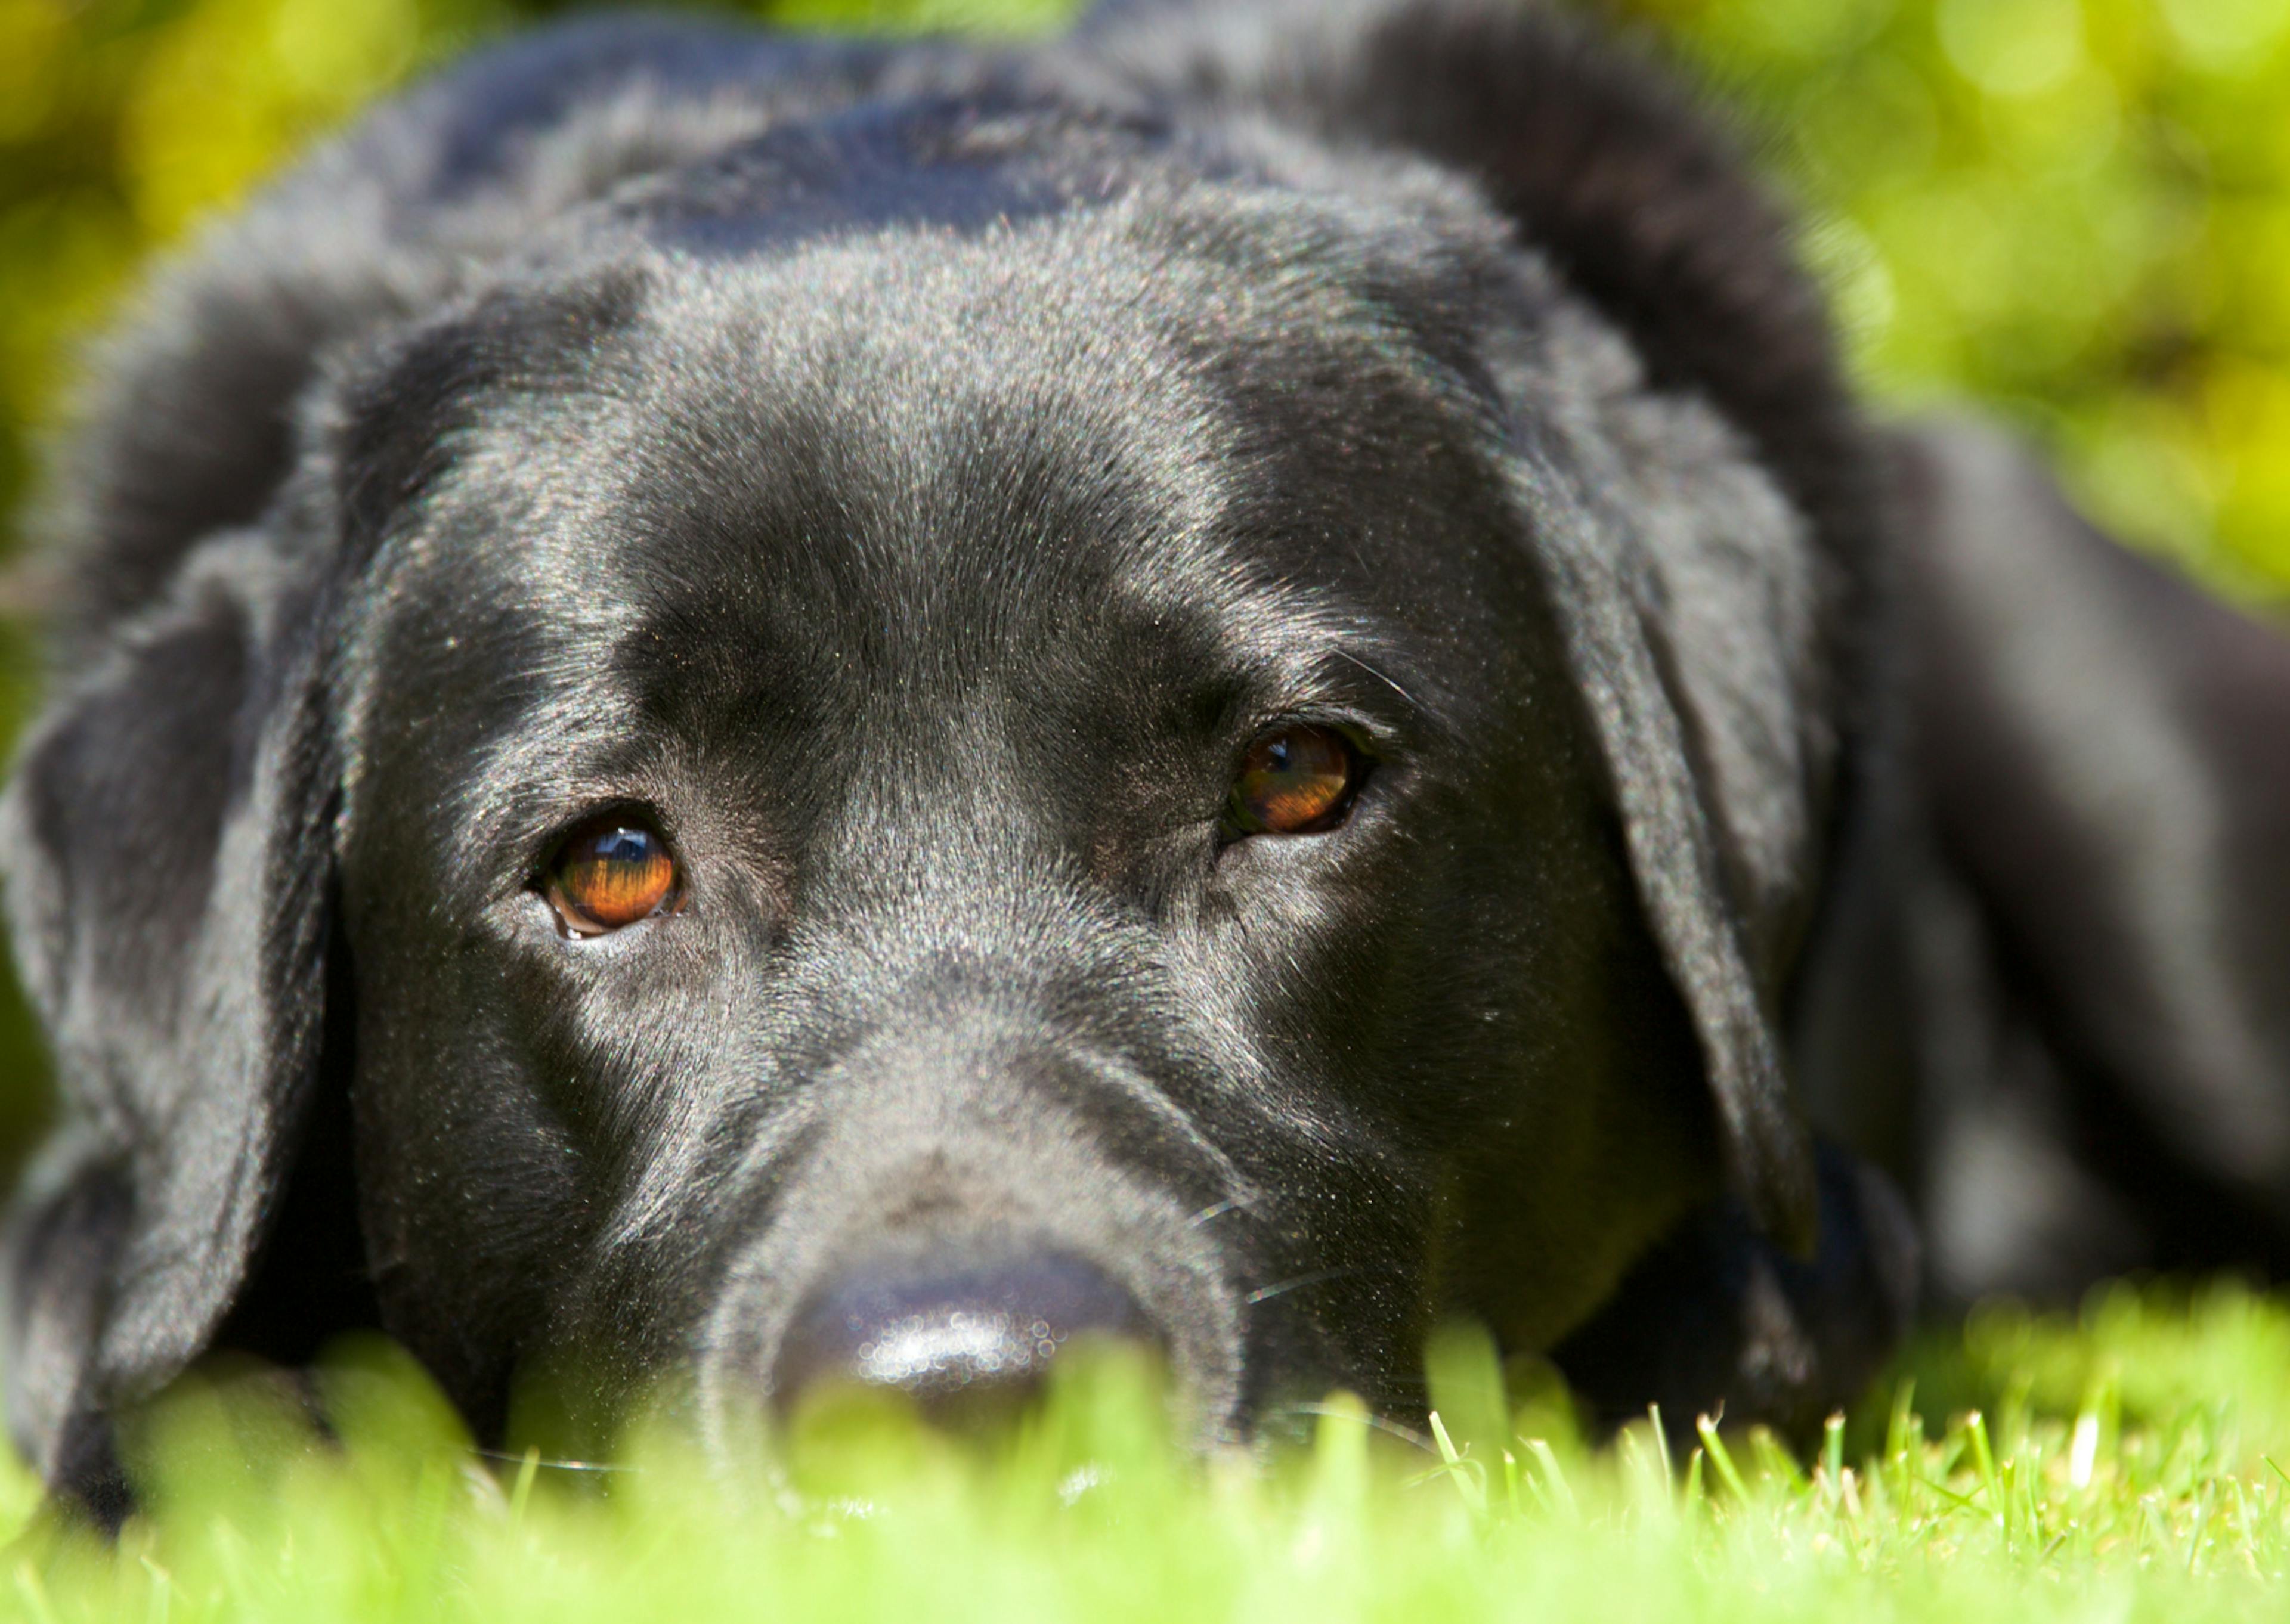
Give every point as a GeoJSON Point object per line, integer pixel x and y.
{"type": "Point", "coordinates": [621, 846]}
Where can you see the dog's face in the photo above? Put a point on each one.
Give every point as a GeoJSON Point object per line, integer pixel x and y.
{"type": "Point", "coordinates": [861, 751]}
{"type": "Point", "coordinates": [934, 777]}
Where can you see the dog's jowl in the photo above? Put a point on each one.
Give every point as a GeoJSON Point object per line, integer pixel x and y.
{"type": "Point", "coordinates": [747, 714]}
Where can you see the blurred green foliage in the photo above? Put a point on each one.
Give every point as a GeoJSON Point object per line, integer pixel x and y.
{"type": "Point", "coordinates": [2077, 211]}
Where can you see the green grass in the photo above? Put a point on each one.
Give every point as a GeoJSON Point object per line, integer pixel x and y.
{"type": "Point", "coordinates": [2115, 1467]}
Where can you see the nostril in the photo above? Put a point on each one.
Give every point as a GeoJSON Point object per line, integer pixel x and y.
{"type": "Point", "coordinates": [969, 1340]}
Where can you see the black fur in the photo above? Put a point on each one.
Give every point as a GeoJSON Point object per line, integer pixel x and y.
{"type": "Point", "coordinates": [909, 477]}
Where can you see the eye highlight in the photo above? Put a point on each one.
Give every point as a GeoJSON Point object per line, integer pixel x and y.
{"type": "Point", "coordinates": [611, 874]}
{"type": "Point", "coordinates": [1299, 779]}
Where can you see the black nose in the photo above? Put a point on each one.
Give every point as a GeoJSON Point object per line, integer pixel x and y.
{"type": "Point", "coordinates": [969, 1339]}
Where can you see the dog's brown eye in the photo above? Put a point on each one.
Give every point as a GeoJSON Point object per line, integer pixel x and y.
{"type": "Point", "coordinates": [1297, 781]}
{"type": "Point", "coordinates": [611, 874]}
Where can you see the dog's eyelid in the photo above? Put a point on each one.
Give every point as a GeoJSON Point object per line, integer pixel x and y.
{"type": "Point", "coordinates": [1374, 739]}
{"type": "Point", "coordinates": [1378, 714]}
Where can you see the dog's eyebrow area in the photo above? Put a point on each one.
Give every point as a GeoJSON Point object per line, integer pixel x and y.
{"type": "Point", "coordinates": [796, 574]}
{"type": "Point", "coordinates": [1306, 676]}
{"type": "Point", "coordinates": [702, 711]}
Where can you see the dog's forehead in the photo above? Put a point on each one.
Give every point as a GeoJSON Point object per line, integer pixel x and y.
{"type": "Point", "coordinates": [914, 459]}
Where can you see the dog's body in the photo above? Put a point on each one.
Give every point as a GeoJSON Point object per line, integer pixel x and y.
{"type": "Point", "coordinates": [908, 487]}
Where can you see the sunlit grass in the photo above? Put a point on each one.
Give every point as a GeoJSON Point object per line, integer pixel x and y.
{"type": "Point", "coordinates": [2119, 1466]}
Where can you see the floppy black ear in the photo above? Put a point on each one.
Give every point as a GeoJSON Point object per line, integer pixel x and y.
{"type": "Point", "coordinates": [165, 842]}
{"type": "Point", "coordinates": [1680, 583]}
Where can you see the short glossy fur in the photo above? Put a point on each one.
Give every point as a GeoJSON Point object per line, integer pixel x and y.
{"type": "Point", "coordinates": [909, 477]}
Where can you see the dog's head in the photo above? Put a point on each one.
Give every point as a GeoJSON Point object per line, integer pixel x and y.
{"type": "Point", "coordinates": [865, 763]}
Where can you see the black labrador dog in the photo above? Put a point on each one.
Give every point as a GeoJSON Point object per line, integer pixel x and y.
{"type": "Point", "coordinates": [751, 711]}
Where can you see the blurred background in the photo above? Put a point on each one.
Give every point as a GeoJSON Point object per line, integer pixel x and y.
{"type": "Point", "coordinates": [2076, 212]}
